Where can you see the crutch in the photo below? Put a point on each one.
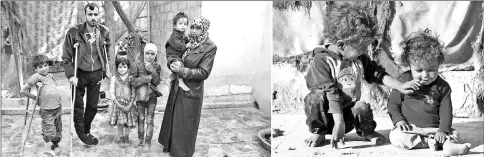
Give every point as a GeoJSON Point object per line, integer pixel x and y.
{"type": "Point", "coordinates": [25, 133]}
{"type": "Point", "coordinates": [76, 46]}
{"type": "Point", "coordinates": [107, 59]}
{"type": "Point", "coordinates": [26, 110]}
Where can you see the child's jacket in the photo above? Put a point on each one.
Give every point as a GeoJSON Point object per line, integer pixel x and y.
{"type": "Point", "coordinates": [430, 106]}
{"type": "Point", "coordinates": [340, 78]}
{"type": "Point", "coordinates": [144, 88]}
{"type": "Point", "coordinates": [175, 47]}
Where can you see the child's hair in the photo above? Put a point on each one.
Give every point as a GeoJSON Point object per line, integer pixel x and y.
{"type": "Point", "coordinates": [122, 61]}
{"type": "Point", "coordinates": [422, 46]}
{"type": "Point", "coordinates": [349, 23]}
{"type": "Point", "coordinates": [39, 60]}
{"type": "Point", "coordinates": [179, 16]}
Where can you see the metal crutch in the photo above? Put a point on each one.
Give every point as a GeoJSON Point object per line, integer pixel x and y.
{"type": "Point", "coordinates": [76, 46]}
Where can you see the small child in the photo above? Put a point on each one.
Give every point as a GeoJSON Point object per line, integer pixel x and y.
{"type": "Point", "coordinates": [123, 95]}
{"type": "Point", "coordinates": [429, 109]}
{"type": "Point", "coordinates": [49, 101]}
{"type": "Point", "coordinates": [333, 105]}
{"type": "Point", "coordinates": [176, 46]}
{"type": "Point", "coordinates": [146, 76]}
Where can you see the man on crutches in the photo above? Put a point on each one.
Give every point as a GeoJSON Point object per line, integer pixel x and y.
{"type": "Point", "coordinates": [86, 72]}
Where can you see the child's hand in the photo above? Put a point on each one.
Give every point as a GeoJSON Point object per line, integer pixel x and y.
{"type": "Point", "coordinates": [409, 87]}
{"type": "Point", "coordinates": [403, 125]}
{"type": "Point", "coordinates": [150, 67]}
{"type": "Point", "coordinates": [127, 108]}
{"type": "Point", "coordinates": [188, 44]}
{"type": "Point", "coordinates": [440, 136]}
{"type": "Point", "coordinates": [147, 78]}
{"type": "Point", "coordinates": [338, 130]}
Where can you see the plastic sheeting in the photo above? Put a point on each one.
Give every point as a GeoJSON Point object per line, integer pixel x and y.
{"type": "Point", "coordinates": [456, 22]}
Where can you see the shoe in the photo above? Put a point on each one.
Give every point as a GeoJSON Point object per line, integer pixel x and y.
{"type": "Point", "coordinates": [85, 139]}
{"type": "Point", "coordinates": [127, 142]}
{"type": "Point", "coordinates": [54, 146]}
{"type": "Point", "coordinates": [93, 139]}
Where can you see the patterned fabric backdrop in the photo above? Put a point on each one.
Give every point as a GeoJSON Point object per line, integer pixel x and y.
{"type": "Point", "coordinates": [47, 23]}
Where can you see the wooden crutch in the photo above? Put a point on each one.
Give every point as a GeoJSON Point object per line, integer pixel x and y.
{"type": "Point", "coordinates": [25, 133]}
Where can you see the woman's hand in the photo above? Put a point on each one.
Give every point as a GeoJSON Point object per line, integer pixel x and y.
{"type": "Point", "coordinates": [175, 68]}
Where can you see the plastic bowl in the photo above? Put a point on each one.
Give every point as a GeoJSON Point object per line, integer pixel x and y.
{"type": "Point", "coordinates": [262, 138]}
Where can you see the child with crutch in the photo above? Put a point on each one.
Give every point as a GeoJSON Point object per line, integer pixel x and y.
{"type": "Point", "coordinates": [48, 100]}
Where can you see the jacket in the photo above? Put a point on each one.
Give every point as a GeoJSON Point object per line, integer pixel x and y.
{"type": "Point", "coordinates": [76, 35]}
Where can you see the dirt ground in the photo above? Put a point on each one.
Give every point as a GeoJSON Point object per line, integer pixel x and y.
{"type": "Point", "coordinates": [12, 128]}
{"type": "Point", "coordinates": [294, 130]}
{"type": "Point", "coordinates": [230, 132]}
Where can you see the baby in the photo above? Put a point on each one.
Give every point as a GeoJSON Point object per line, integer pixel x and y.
{"type": "Point", "coordinates": [423, 119]}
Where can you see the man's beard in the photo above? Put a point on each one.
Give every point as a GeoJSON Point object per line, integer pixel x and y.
{"type": "Point", "coordinates": [92, 23]}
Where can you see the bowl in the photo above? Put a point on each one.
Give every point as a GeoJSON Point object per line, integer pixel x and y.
{"type": "Point", "coordinates": [263, 140]}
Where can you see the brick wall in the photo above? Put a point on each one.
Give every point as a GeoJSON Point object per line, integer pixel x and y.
{"type": "Point", "coordinates": [161, 13]}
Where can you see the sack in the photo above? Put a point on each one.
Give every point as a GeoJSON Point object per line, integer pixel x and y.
{"type": "Point", "coordinates": [155, 91]}
{"type": "Point", "coordinates": [142, 93]}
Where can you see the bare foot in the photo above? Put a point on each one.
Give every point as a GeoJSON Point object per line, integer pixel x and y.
{"type": "Point", "coordinates": [138, 143]}
{"type": "Point", "coordinates": [147, 148]}
{"type": "Point", "coordinates": [314, 140]}
{"type": "Point", "coordinates": [376, 138]}
{"type": "Point", "coordinates": [452, 148]}
{"type": "Point", "coordinates": [433, 144]}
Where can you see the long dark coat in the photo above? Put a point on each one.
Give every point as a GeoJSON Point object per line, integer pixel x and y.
{"type": "Point", "coordinates": [182, 114]}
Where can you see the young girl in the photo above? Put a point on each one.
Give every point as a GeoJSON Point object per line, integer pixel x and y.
{"type": "Point", "coordinates": [122, 94]}
{"type": "Point", "coordinates": [146, 76]}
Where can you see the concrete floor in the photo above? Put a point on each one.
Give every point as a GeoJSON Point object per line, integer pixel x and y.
{"type": "Point", "coordinates": [222, 132]}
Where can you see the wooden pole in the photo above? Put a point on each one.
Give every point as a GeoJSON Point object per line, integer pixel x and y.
{"type": "Point", "coordinates": [16, 48]}
{"type": "Point", "coordinates": [1, 85]}
{"type": "Point", "coordinates": [109, 17]}
{"type": "Point", "coordinates": [136, 36]}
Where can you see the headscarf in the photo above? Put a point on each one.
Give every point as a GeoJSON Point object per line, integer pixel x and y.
{"type": "Point", "coordinates": [196, 40]}
{"type": "Point", "coordinates": [152, 47]}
